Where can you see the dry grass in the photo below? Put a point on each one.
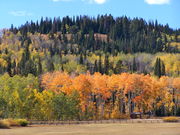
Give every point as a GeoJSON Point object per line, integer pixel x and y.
{"type": "Point", "coordinates": [4, 124]}
{"type": "Point", "coordinates": [171, 119]}
{"type": "Point", "coordinates": [99, 129]}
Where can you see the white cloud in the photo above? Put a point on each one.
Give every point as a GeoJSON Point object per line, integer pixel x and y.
{"type": "Point", "coordinates": [61, 0]}
{"type": "Point", "coordinates": [157, 2]}
{"type": "Point", "coordinates": [20, 13]}
{"type": "Point", "coordinates": [96, 1]}
{"type": "Point", "coordinates": [100, 1]}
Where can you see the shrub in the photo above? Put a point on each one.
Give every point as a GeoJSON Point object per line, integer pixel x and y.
{"type": "Point", "coordinates": [171, 119]}
{"type": "Point", "coordinates": [124, 116]}
{"type": "Point", "coordinates": [22, 122]}
{"type": "Point", "coordinates": [12, 122]}
{"type": "Point", "coordinates": [4, 124]}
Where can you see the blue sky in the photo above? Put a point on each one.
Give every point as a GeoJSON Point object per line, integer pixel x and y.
{"type": "Point", "coordinates": [17, 12]}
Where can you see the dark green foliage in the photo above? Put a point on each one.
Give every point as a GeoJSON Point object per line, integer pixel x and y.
{"type": "Point", "coordinates": [134, 65]}
{"type": "Point", "coordinates": [106, 65]}
{"type": "Point", "coordinates": [81, 60]}
{"type": "Point", "coordinates": [95, 66]}
{"type": "Point", "coordinates": [66, 107]}
{"type": "Point", "coordinates": [83, 36]}
{"type": "Point", "coordinates": [26, 65]}
{"type": "Point", "coordinates": [100, 68]}
{"type": "Point", "coordinates": [50, 65]}
{"type": "Point", "coordinates": [119, 67]}
{"type": "Point", "coordinates": [62, 67]}
{"type": "Point", "coordinates": [159, 68]}
{"type": "Point", "coordinates": [9, 66]}
{"type": "Point", "coordinates": [123, 34]}
{"type": "Point", "coordinates": [30, 68]}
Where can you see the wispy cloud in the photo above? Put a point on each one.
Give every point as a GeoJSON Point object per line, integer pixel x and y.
{"type": "Point", "coordinates": [61, 0]}
{"type": "Point", "coordinates": [95, 1]}
{"type": "Point", "coordinates": [100, 1]}
{"type": "Point", "coordinates": [157, 2]}
{"type": "Point", "coordinates": [20, 13]}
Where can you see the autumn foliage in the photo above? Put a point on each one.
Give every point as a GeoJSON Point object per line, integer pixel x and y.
{"type": "Point", "coordinates": [106, 96]}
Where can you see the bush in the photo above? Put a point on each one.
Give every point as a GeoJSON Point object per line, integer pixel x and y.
{"type": "Point", "coordinates": [171, 119]}
{"type": "Point", "coordinates": [22, 122]}
{"type": "Point", "coordinates": [4, 124]}
{"type": "Point", "coordinates": [12, 122]}
{"type": "Point", "coordinates": [124, 116]}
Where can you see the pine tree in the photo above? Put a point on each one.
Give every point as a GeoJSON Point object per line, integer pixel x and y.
{"type": "Point", "coordinates": [118, 68]}
{"type": "Point", "coordinates": [100, 65]}
{"type": "Point", "coordinates": [9, 66]}
{"type": "Point", "coordinates": [26, 51]}
{"type": "Point", "coordinates": [14, 72]}
{"type": "Point", "coordinates": [163, 72]}
{"type": "Point", "coordinates": [157, 68]}
{"type": "Point", "coordinates": [134, 65]}
{"type": "Point", "coordinates": [81, 60]}
{"type": "Point", "coordinates": [62, 68]}
{"type": "Point", "coordinates": [106, 65]}
{"type": "Point", "coordinates": [95, 66]}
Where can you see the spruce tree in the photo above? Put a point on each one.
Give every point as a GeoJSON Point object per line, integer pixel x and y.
{"type": "Point", "coordinates": [118, 68]}
{"type": "Point", "coordinates": [106, 65]}
{"type": "Point", "coordinates": [9, 66]}
{"type": "Point", "coordinates": [134, 65]}
{"type": "Point", "coordinates": [100, 65]}
{"type": "Point", "coordinates": [159, 68]}
{"type": "Point", "coordinates": [163, 72]}
{"type": "Point", "coordinates": [95, 66]}
{"type": "Point", "coordinates": [14, 68]}
{"type": "Point", "coordinates": [62, 68]}
{"type": "Point", "coordinates": [81, 60]}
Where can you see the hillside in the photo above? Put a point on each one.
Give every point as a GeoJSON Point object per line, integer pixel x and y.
{"type": "Point", "coordinates": [77, 45]}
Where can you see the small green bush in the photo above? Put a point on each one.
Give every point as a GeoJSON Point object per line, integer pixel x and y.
{"type": "Point", "coordinates": [22, 122]}
{"type": "Point", "coordinates": [171, 119]}
{"type": "Point", "coordinates": [4, 124]}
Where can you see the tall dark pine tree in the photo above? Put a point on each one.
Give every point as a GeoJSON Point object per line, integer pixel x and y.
{"type": "Point", "coordinates": [26, 51]}
{"type": "Point", "coordinates": [81, 60]}
{"type": "Point", "coordinates": [9, 66]}
{"type": "Point", "coordinates": [14, 72]}
{"type": "Point", "coordinates": [100, 69]}
{"type": "Point", "coordinates": [95, 66]}
{"type": "Point", "coordinates": [163, 70]}
{"type": "Point", "coordinates": [134, 65]}
{"type": "Point", "coordinates": [62, 68]}
{"type": "Point", "coordinates": [106, 65]}
{"type": "Point", "coordinates": [21, 65]}
{"type": "Point", "coordinates": [159, 68]}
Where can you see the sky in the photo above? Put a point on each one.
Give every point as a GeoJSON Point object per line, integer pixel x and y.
{"type": "Point", "coordinates": [17, 12]}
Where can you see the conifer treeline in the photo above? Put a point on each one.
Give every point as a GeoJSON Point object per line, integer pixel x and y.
{"type": "Point", "coordinates": [122, 34]}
